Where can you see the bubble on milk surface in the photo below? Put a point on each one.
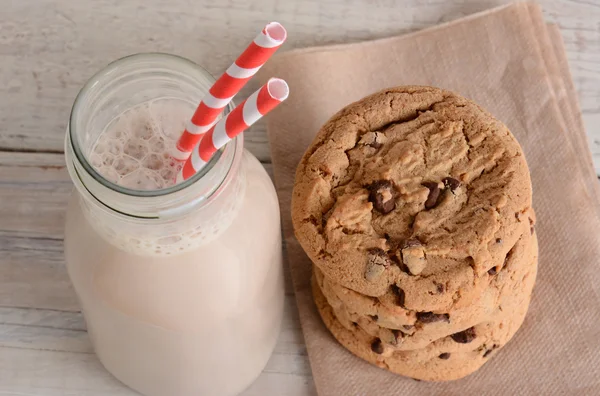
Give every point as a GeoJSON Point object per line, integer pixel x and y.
{"type": "Point", "coordinates": [135, 149]}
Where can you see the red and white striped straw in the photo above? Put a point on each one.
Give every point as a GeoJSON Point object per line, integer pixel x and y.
{"type": "Point", "coordinates": [247, 113]}
{"type": "Point", "coordinates": [228, 85]}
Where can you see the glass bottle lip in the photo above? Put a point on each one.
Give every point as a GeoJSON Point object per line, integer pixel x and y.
{"type": "Point", "coordinates": [102, 76]}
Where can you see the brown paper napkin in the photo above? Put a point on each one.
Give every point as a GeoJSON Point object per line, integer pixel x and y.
{"type": "Point", "coordinates": [559, 78]}
{"type": "Point", "coordinates": [496, 59]}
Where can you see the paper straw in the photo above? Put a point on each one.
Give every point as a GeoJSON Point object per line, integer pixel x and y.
{"type": "Point", "coordinates": [228, 85]}
{"type": "Point", "coordinates": [247, 113]}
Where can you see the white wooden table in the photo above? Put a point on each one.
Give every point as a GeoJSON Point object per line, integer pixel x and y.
{"type": "Point", "coordinates": [48, 48]}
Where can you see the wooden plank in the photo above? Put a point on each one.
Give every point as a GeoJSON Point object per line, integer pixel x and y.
{"type": "Point", "coordinates": [26, 372]}
{"type": "Point", "coordinates": [33, 194]}
{"type": "Point", "coordinates": [31, 372]}
{"type": "Point", "coordinates": [63, 331]}
{"type": "Point", "coordinates": [50, 49]}
{"type": "Point", "coordinates": [48, 352]}
{"type": "Point", "coordinates": [33, 274]}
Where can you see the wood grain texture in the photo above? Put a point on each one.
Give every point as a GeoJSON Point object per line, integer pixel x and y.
{"type": "Point", "coordinates": [49, 48]}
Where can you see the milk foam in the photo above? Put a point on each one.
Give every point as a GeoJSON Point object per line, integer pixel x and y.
{"type": "Point", "coordinates": [135, 150]}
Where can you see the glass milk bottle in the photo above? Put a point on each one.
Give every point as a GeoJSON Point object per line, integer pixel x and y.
{"type": "Point", "coordinates": [181, 287]}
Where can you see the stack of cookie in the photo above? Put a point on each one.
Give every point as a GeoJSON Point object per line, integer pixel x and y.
{"type": "Point", "coordinates": [414, 204]}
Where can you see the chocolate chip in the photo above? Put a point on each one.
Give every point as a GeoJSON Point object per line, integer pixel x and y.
{"type": "Point", "coordinates": [492, 271]}
{"type": "Point", "coordinates": [377, 262]}
{"type": "Point", "coordinates": [413, 256]}
{"type": "Point", "coordinates": [434, 194]}
{"type": "Point", "coordinates": [374, 317]}
{"type": "Point", "coordinates": [531, 225]}
{"type": "Point", "coordinates": [444, 356]}
{"type": "Point", "coordinates": [313, 220]}
{"type": "Point", "coordinates": [412, 242]}
{"type": "Point", "coordinates": [430, 317]}
{"type": "Point", "coordinates": [378, 256]}
{"type": "Point", "coordinates": [399, 294]}
{"type": "Point", "coordinates": [407, 327]}
{"type": "Point", "coordinates": [382, 195]}
{"type": "Point", "coordinates": [451, 183]}
{"type": "Point", "coordinates": [377, 346]}
{"type": "Point", "coordinates": [487, 352]}
{"type": "Point", "coordinates": [373, 271]}
{"type": "Point", "coordinates": [498, 240]}
{"type": "Point", "coordinates": [375, 144]}
{"type": "Point", "coordinates": [464, 337]}
{"type": "Point", "coordinates": [397, 335]}
{"type": "Point", "coordinates": [439, 287]}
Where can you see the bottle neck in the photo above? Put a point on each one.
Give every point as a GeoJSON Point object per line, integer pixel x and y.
{"type": "Point", "coordinates": [168, 220]}
{"type": "Point", "coordinates": [191, 217]}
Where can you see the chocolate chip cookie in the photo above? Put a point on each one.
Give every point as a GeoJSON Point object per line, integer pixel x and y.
{"type": "Point", "coordinates": [447, 358]}
{"type": "Point", "coordinates": [412, 195]}
{"type": "Point", "coordinates": [409, 330]}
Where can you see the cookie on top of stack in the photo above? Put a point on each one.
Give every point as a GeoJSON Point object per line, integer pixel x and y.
{"type": "Point", "coordinates": [414, 204]}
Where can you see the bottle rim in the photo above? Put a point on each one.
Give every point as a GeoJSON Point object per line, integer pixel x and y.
{"type": "Point", "coordinates": [102, 76]}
